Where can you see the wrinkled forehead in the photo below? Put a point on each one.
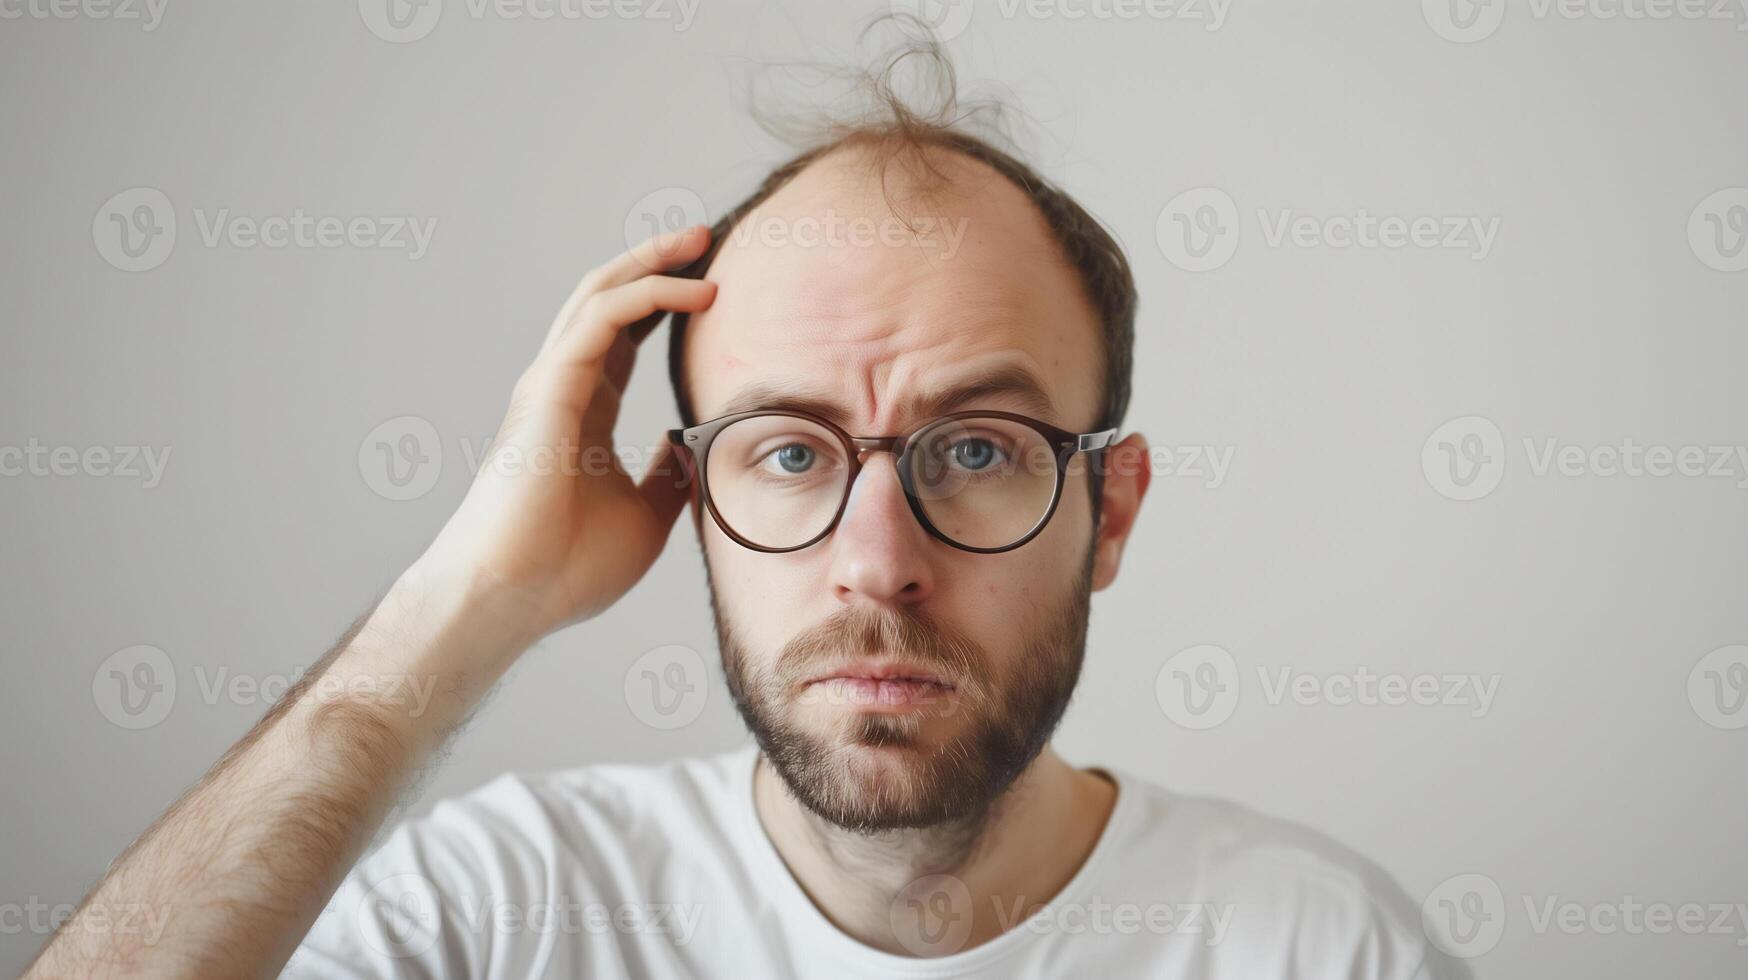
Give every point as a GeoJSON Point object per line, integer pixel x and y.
{"type": "Point", "coordinates": [882, 307]}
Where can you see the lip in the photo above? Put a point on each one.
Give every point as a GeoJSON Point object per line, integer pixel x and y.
{"type": "Point", "coordinates": [882, 686]}
{"type": "Point", "coordinates": [883, 670]}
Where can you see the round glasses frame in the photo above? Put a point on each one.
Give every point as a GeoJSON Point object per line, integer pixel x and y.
{"type": "Point", "coordinates": [696, 441]}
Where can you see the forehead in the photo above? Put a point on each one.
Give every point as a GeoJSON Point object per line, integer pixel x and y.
{"type": "Point", "coordinates": [872, 298]}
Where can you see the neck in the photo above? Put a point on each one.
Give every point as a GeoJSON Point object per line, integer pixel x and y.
{"type": "Point", "coordinates": [1006, 862]}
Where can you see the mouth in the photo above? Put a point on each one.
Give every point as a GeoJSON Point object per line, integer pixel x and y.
{"type": "Point", "coordinates": [885, 685]}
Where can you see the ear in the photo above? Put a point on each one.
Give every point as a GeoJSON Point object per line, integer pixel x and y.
{"type": "Point", "coordinates": [694, 492]}
{"type": "Point", "coordinates": [1128, 472]}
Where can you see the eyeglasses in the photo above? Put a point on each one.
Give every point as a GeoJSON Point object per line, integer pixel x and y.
{"type": "Point", "coordinates": [981, 481]}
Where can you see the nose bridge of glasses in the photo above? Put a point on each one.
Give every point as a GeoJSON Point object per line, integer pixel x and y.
{"type": "Point", "coordinates": [866, 445]}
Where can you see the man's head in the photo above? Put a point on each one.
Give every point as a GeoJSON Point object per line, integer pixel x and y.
{"type": "Point", "coordinates": [892, 679]}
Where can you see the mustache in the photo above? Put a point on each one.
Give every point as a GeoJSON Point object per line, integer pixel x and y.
{"type": "Point", "coordinates": [864, 631]}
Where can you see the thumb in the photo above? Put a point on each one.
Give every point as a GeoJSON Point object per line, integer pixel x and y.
{"type": "Point", "coordinates": [666, 485]}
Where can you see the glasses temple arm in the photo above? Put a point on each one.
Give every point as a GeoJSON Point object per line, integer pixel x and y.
{"type": "Point", "coordinates": [1090, 441]}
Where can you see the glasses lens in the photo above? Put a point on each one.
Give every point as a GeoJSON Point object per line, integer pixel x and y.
{"type": "Point", "coordinates": [983, 482]}
{"type": "Point", "coordinates": [776, 480]}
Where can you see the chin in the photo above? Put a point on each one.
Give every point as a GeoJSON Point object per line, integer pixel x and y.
{"type": "Point", "coordinates": [875, 773]}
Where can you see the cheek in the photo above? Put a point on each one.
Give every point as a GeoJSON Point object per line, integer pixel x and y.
{"type": "Point", "coordinates": [1000, 600]}
{"type": "Point", "coordinates": [766, 598]}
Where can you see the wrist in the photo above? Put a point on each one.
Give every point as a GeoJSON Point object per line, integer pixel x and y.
{"type": "Point", "coordinates": [463, 614]}
{"type": "Point", "coordinates": [426, 655]}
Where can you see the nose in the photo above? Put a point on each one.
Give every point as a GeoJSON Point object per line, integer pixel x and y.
{"type": "Point", "coordinates": [880, 554]}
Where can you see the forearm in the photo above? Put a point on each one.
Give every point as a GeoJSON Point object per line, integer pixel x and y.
{"type": "Point", "coordinates": [236, 871]}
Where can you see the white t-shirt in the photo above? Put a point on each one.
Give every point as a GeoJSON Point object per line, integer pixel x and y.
{"type": "Point", "coordinates": [666, 871]}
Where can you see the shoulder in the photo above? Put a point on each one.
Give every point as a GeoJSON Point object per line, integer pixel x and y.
{"type": "Point", "coordinates": [1294, 901]}
{"type": "Point", "coordinates": [448, 891]}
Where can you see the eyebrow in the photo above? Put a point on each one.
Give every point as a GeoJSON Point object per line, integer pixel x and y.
{"type": "Point", "coordinates": [1013, 382]}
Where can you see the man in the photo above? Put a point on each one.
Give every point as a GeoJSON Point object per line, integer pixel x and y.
{"type": "Point", "coordinates": [902, 622]}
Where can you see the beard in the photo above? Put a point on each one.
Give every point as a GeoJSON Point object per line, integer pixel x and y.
{"type": "Point", "coordinates": [877, 772]}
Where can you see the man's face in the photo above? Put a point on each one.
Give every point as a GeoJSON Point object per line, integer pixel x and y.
{"type": "Point", "coordinates": [893, 680]}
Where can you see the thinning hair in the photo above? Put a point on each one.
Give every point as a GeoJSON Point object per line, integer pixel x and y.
{"type": "Point", "coordinates": [898, 131]}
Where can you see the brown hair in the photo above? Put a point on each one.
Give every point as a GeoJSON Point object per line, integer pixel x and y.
{"type": "Point", "coordinates": [895, 130]}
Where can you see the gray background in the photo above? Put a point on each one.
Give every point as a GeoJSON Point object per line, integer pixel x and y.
{"type": "Point", "coordinates": [1328, 547]}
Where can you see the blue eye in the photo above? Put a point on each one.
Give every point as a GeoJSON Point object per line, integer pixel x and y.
{"type": "Point", "coordinates": [795, 458]}
{"type": "Point", "coordinates": [974, 454]}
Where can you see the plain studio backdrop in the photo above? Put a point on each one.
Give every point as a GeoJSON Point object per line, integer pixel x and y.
{"type": "Point", "coordinates": [1444, 317]}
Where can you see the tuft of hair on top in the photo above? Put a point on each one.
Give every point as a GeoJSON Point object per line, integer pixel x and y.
{"type": "Point", "coordinates": [900, 111]}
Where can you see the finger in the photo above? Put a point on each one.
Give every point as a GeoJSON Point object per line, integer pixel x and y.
{"type": "Point", "coordinates": [602, 413]}
{"type": "Point", "coordinates": [622, 355]}
{"type": "Point", "coordinates": [660, 253]}
{"type": "Point", "coordinates": [600, 319]}
{"type": "Point", "coordinates": [665, 487]}
{"type": "Point", "coordinates": [573, 373]}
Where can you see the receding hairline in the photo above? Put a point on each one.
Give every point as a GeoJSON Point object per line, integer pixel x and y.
{"type": "Point", "coordinates": [935, 162]}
